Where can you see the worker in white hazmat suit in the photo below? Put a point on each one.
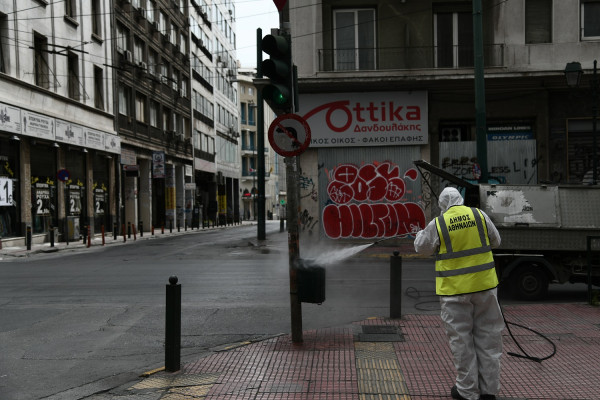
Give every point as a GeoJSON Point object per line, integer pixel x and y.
{"type": "Point", "coordinates": [462, 239]}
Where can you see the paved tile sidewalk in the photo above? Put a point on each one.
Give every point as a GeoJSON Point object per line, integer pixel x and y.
{"type": "Point", "coordinates": [338, 364]}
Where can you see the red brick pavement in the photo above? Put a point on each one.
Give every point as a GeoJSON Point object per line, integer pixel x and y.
{"type": "Point", "coordinates": [324, 366]}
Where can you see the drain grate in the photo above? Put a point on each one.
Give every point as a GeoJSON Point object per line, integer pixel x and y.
{"type": "Point", "coordinates": [380, 333]}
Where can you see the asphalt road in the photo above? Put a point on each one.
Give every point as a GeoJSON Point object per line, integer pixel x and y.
{"type": "Point", "coordinates": [74, 323]}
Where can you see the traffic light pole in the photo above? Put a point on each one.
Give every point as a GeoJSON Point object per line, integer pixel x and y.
{"type": "Point", "coordinates": [260, 143]}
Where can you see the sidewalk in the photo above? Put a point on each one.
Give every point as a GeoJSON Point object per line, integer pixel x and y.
{"type": "Point", "coordinates": [96, 240]}
{"type": "Point", "coordinates": [380, 358]}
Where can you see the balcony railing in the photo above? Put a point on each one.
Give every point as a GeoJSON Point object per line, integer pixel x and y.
{"type": "Point", "coordinates": [431, 57]}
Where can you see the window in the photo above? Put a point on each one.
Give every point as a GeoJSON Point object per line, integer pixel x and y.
{"type": "Point", "coordinates": [140, 108]}
{"type": "Point", "coordinates": [42, 71]}
{"type": "Point", "coordinates": [122, 36]}
{"type": "Point", "coordinates": [96, 18]}
{"type": "Point", "coordinates": [166, 119]}
{"type": "Point", "coordinates": [151, 11]}
{"type": "Point", "coordinates": [154, 113]}
{"type": "Point", "coordinates": [124, 100]}
{"type": "Point", "coordinates": [538, 21]}
{"type": "Point", "coordinates": [162, 23]}
{"type": "Point", "coordinates": [71, 8]}
{"type": "Point", "coordinates": [4, 61]}
{"type": "Point", "coordinates": [354, 39]}
{"type": "Point", "coordinates": [243, 113]}
{"type": "Point", "coordinates": [138, 50]}
{"type": "Point", "coordinates": [152, 61]}
{"type": "Point", "coordinates": [453, 39]}
{"type": "Point", "coordinates": [251, 109]}
{"type": "Point", "coordinates": [590, 19]}
{"type": "Point", "coordinates": [73, 76]}
{"type": "Point", "coordinates": [98, 88]}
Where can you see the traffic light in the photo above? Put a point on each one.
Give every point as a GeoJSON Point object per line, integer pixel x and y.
{"type": "Point", "coordinates": [279, 92]}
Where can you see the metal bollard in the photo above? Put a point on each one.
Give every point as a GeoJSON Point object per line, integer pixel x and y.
{"type": "Point", "coordinates": [128, 230]}
{"type": "Point", "coordinates": [396, 286]}
{"type": "Point", "coordinates": [171, 227]}
{"type": "Point", "coordinates": [173, 326]}
{"type": "Point", "coordinates": [281, 226]}
{"type": "Point", "coordinates": [178, 227]}
{"type": "Point", "coordinates": [51, 236]}
{"type": "Point", "coordinates": [115, 231]}
{"type": "Point", "coordinates": [141, 225]}
{"type": "Point", "coordinates": [134, 232]}
{"type": "Point", "coordinates": [28, 238]}
{"type": "Point", "coordinates": [84, 234]}
{"type": "Point", "coordinates": [152, 230]}
{"type": "Point", "coordinates": [123, 229]}
{"type": "Point", "coordinates": [103, 239]}
{"type": "Point", "coordinates": [89, 236]}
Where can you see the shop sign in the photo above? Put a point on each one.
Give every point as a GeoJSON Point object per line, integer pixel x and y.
{"type": "Point", "coordinates": [366, 119]}
{"type": "Point", "coordinates": [67, 132]}
{"type": "Point", "coordinates": [510, 131]}
{"type": "Point", "coordinates": [128, 157]}
{"type": "Point", "coordinates": [158, 164]}
{"type": "Point", "coordinates": [112, 143]}
{"type": "Point", "coordinates": [6, 192]}
{"type": "Point", "coordinates": [94, 139]}
{"type": "Point", "coordinates": [37, 125]}
{"type": "Point", "coordinates": [10, 119]}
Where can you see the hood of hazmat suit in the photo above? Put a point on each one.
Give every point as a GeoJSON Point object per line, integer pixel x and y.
{"type": "Point", "coordinates": [448, 198]}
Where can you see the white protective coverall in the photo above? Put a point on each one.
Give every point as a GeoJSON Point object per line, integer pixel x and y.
{"type": "Point", "coordinates": [473, 321]}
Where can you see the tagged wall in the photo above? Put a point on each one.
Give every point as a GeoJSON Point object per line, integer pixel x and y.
{"type": "Point", "coordinates": [360, 193]}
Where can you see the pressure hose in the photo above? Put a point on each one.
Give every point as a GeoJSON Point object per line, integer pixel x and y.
{"type": "Point", "coordinates": [525, 355]}
{"type": "Point", "coordinates": [416, 294]}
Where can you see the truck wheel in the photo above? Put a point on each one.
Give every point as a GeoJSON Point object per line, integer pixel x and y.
{"type": "Point", "coordinates": [530, 282]}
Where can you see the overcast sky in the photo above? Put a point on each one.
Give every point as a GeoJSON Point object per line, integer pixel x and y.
{"type": "Point", "coordinates": [251, 15]}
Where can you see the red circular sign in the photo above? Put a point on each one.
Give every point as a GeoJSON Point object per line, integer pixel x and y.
{"type": "Point", "coordinates": [289, 135]}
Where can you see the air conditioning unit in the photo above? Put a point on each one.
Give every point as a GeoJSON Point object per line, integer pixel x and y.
{"type": "Point", "coordinates": [143, 65]}
{"type": "Point", "coordinates": [155, 25]}
{"type": "Point", "coordinates": [141, 13]}
{"type": "Point", "coordinates": [174, 85]}
{"type": "Point", "coordinates": [167, 38]}
{"type": "Point", "coordinates": [128, 56]}
{"type": "Point", "coordinates": [181, 92]}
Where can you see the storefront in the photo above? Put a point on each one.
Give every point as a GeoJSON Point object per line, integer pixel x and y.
{"type": "Point", "coordinates": [9, 187]}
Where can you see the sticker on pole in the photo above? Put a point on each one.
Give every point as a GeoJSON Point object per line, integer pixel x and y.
{"type": "Point", "coordinates": [289, 135]}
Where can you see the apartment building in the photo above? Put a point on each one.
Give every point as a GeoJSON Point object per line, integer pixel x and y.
{"type": "Point", "coordinates": [153, 112]}
{"type": "Point", "coordinates": [59, 149]}
{"type": "Point", "coordinates": [274, 168]}
{"type": "Point", "coordinates": [384, 82]}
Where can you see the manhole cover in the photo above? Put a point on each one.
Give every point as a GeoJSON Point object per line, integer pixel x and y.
{"type": "Point", "coordinates": [380, 333]}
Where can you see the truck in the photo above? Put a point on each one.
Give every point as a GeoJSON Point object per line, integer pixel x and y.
{"type": "Point", "coordinates": [550, 232]}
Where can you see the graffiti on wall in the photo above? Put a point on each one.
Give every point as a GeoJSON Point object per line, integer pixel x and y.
{"type": "Point", "coordinates": [368, 202]}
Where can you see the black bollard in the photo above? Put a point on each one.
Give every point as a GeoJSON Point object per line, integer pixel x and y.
{"type": "Point", "coordinates": [281, 226]}
{"type": "Point", "coordinates": [396, 286]}
{"type": "Point", "coordinates": [141, 226]}
{"type": "Point", "coordinates": [51, 237]}
{"type": "Point", "coordinates": [28, 238]}
{"type": "Point", "coordinates": [128, 230]}
{"type": "Point", "coordinates": [171, 227]}
{"type": "Point", "coordinates": [114, 231]}
{"type": "Point", "coordinates": [173, 326]}
{"type": "Point", "coordinates": [84, 234]}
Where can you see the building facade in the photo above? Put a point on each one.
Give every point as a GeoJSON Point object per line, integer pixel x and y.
{"type": "Point", "coordinates": [153, 112]}
{"type": "Point", "coordinates": [59, 149]}
{"type": "Point", "coordinates": [384, 83]}
{"type": "Point", "coordinates": [274, 191]}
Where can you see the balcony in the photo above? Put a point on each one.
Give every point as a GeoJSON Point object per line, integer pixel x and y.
{"type": "Point", "coordinates": [392, 58]}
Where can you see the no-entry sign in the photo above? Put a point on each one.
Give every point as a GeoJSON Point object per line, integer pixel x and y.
{"type": "Point", "coordinates": [289, 135]}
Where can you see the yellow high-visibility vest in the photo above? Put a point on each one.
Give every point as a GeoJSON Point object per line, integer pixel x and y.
{"type": "Point", "coordinates": [465, 263]}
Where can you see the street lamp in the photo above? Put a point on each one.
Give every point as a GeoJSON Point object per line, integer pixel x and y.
{"type": "Point", "coordinates": [573, 74]}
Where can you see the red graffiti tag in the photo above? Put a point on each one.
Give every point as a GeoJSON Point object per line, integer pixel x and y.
{"type": "Point", "coordinates": [367, 203]}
